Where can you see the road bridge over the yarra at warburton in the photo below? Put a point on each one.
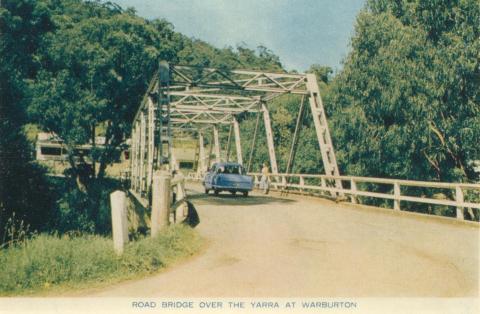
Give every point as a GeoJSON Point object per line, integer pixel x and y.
{"type": "Point", "coordinates": [312, 235]}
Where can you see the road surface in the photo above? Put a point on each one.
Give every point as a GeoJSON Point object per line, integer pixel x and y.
{"type": "Point", "coordinates": [308, 247]}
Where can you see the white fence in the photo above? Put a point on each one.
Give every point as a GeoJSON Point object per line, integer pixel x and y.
{"type": "Point", "coordinates": [308, 182]}
{"type": "Point", "coordinates": [465, 195]}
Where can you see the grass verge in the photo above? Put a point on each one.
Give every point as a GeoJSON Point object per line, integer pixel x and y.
{"type": "Point", "coordinates": [50, 262]}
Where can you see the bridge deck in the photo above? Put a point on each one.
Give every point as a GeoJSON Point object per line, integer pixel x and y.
{"type": "Point", "coordinates": [300, 246]}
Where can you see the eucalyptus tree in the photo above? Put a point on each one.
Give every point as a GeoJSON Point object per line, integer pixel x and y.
{"type": "Point", "coordinates": [407, 102]}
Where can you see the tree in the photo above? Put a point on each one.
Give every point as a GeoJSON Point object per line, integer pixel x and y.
{"type": "Point", "coordinates": [24, 192]}
{"type": "Point", "coordinates": [407, 102]}
{"type": "Point", "coordinates": [96, 71]}
{"type": "Point", "coordinates": [323, 73]}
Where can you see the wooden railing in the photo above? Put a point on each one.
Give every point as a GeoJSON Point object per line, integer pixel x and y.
{"type": "Point", "coordinates": [299, 182]}
{"type": "Point", "coordinates": [194, 176]}
{"type": "Point", "coordinates": [355, 187]}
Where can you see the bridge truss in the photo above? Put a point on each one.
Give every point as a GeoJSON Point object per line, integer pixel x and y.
{"type": "Point", "coordinates": [191, 100]}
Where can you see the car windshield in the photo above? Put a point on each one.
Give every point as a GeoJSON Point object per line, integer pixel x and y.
{"type": "Point", "coordinates": [231, 169]}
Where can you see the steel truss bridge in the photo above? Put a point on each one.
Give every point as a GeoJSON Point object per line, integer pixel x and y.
{"type": "Point", "coordinates": [195, 101]}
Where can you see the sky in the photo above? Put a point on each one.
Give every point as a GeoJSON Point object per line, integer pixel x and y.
{"type": "Point", "coordinates": [300, 32]}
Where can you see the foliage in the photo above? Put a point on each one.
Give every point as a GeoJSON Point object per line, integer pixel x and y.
{"type": "Point", "coordinates": [51, 262]}
{"type": "Point", "coordinates": [323, 73]}
{"type": "Point", "coordinates": [94, 66]}
{"type": "Point", "coordinates": [80, 212]}
{"type": "Point", "coordinates": [24, 195]}
{"type": "Point", "coordinates": [97, 65]}
{"type": "Point", "coordinates": [406, 104]}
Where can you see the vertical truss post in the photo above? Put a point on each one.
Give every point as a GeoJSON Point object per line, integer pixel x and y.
{"type": "Point", "coordinates": [321, 127]}
{"type": "Point", "coordinates": [227, 159]}
{"type": "Point", "coordinates": [293, 148]}
{"type": "Point", "coordinates": [210, 148]}
{"type": "Point", "coordinates": [165, 132]}
{"type": "Point", "coordinates": [238, 144]}
{"type": "Point", "coordinates": [216, 141]}
{"type": "Point", "coordinates": [201, 155]}
{"type": "Point", "coordinates": [196, 158]}
{"type": "Point", "coordinates": [175, 165]}
{"type": "Point", "coordinates": [133, 157]}
{"type": "Point", "coordinates": [269, 133]}
{"type": "Point", "coordinates": [139, 179]}
{"type": "Point", "coordinates": [151, 142]}
{"type": "Point", "coordinates": [143, 129]}
{"type": "Point", "coordinates": [254, 140]}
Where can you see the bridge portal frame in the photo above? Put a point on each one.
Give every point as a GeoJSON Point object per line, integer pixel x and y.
{"type": "Point", "coordinates": [194, 99]}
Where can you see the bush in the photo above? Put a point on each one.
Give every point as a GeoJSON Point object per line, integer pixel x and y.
{"type": "Point", "coordinates": [84, 212]}
{"type": "Point", "coordinates": [26, 200]}
{"type": "Point", "coordinates": [47, 262]}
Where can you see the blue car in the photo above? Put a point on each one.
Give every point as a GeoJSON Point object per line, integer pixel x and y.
{"type": "Point", "coordinates": [227, 176]}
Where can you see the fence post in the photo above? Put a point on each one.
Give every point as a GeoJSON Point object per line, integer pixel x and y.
{"type": "Point", "coordinates": [353, 189]}
{"type": "Point", "coordinates": [180, 212]}
{"type": "Point", "coordinates": [323, 184]}
{"type": "Point", "coordinates": [302, 183]}
{"type": "Point", "coordinates": [119, 220]}
{"type": "Point", "coordinates": [160, 201]}
{"type": "Point", "coordinates": [459, 199]}
{"type": "Point", "coordinates": [396, 194]}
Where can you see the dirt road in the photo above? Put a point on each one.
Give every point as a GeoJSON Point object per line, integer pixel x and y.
{"type": "Point", "coordinates": [298, 246]}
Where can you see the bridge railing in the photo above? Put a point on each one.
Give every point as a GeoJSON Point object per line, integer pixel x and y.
{"type": "Point", "coordinates": [397, 189]}
{"type": "Point", "coordinates": [463, 195]}
{"type": "Point", "coordinates": [194, 176]}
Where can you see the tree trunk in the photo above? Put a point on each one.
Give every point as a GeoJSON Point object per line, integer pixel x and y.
{"type": "Point", "coordinates": [75, 173]}
{"type": "Point", "coordinates": [103, 158]}
{"type": "Point", "coordinates": [93, 149]}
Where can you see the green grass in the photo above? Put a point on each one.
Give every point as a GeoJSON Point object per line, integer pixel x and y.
{"type": "Point", "coordinates": [48, 263]}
